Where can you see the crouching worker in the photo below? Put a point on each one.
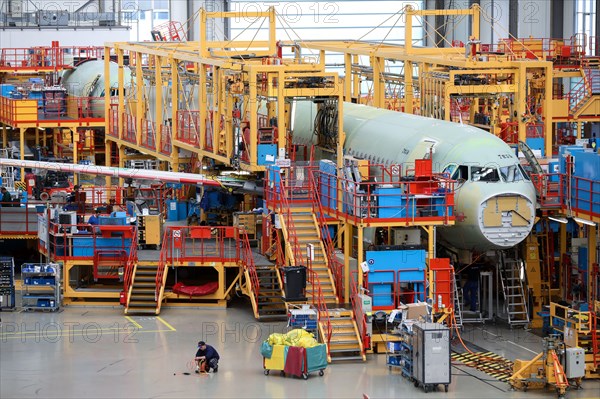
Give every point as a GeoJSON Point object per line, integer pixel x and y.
{"type": "Point", "coordinates": [207, 358]}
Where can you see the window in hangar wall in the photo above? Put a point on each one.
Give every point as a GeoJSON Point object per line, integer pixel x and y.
{"type": "Point", "coordinates": [375, 21]}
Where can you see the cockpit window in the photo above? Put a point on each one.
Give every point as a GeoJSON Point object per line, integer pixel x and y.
{"type": "Point", "coordinates": [449, 170]}
{"type": "Point", "coordinates": [511, 174]}
{"type": "Point", "coordinates": [462, 172]}
{"type": "Point", "coordinates": [487, 174]}
{"type": "Point", "coordinates": [523, 172]}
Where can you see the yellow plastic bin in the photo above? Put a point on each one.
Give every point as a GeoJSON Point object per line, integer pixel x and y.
{"type": "Point", "coordinates": [277, 360]}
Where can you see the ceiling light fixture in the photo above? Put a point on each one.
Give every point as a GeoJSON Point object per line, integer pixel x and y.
{"type": "Point", "coordinates": [584, 221]}
{"type": "Point", "coordinates": [558, 219]}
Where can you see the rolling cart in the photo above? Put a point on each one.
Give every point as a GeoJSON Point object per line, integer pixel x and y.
{"type": "Point", "coordinates": [41, 286]}
{"type": "Point", "coordinates": [300, 363]}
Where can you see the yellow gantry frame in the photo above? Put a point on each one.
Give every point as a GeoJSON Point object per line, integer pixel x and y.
{"type": "Point", "coordinates": [253, 67]}
{"type": "Point", "coordinates": [451, 60]}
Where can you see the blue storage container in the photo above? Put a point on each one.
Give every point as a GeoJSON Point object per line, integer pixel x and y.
{"type": "Point", "coordinates": [392, 203]}
{"type": "Point", "coordinates": [172, 211]}
{"type": "Point", "coordinates": [182, 210]}
{"type": "Point", "coordinates": [563, 150]}
{"type": "Point", "coordinates": [43, 303]}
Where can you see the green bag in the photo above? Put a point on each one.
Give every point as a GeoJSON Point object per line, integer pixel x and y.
{"type": "Point", "coordinates": [266, 350]}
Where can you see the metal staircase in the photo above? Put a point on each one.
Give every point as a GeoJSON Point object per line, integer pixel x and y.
{"type": "Point", "coordinates": [514, 293]}
{"type": "Point", "coordinates": [142, 296]}
{"type": "Point", "coordinates": [342, 338]}
{"type": "Point", "coordinates": [306, 233]}
{"type": "Point", "coordinates": [270, 304]}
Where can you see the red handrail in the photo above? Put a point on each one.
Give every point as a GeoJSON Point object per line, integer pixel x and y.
{"type": "Point", "coordinates": [357, 310]}
{"type": "Point", "coordinates": [284, 208]}
{"type": "Point", "coordinates": [129, 266]}
{"type": "Point", "coordinates": [247, 260]}
{"type": "Point", "coordinates": [335, 266]}
{"type": "Point", "coordinates": [162, 262]}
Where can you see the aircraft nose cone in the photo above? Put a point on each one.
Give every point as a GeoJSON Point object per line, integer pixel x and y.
{"type": "Point", "coordinates": [506, 220]}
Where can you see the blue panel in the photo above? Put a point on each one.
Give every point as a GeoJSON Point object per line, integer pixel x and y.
{"type": "Point", "coordinates": [172, 212]}
{"type": "Point", "coordinates": [392, 203]}
{"type": "Point", "coordinates": [5, 89]}
{"type": "Point", "coordinates": [562, 150]}
{"type": "Point", "coordinates": [536, 144]}
{"type": "Point", "coordinates": [267, 153]}
{"type": "Point", "coordinates": [587, 165]}
{"type": "Point", "coordinates": [554, 167]}
{"type": "Point", "coordinates": [328, 183]}
{"type": "Point", "coordinates": [382, 295]}
{"type": "Point", "coordinates": [274, 176]}
{"type": "Point", "coordinates": [182, 210]}
{"type": "Point", "coordinates": [396, 261]}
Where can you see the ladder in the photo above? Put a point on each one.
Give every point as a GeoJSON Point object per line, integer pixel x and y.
{"type": "Point", "coordinates": [458, 319]}
{"type": "Point", "coordinates": [514, 293]}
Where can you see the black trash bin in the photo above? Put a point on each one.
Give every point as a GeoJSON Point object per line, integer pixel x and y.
{"type": "Point", "coordinates": [294, 280]}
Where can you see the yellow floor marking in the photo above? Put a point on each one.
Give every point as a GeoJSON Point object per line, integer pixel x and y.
{"type": "Point", "coordinates": [135, 323]}
{"type": "Point", "coordinates": [52, 334]}
{"type": "Point", "coordinates": [165, 323]}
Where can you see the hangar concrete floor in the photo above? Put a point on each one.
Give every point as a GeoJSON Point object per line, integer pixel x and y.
{"type": "Point", "coordinates": [87, 352]}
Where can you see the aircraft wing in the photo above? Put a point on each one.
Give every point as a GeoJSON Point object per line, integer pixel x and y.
{"type": "Point", "coordinates": [157, 175]}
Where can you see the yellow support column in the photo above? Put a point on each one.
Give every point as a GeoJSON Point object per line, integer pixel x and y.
{"type": "Point", "coordinates": [592, 240]}
{"type": "Point", "coordinates": [174, 112]}
{"type": "Point", "coordinates": [408, 87]}
{"type": "Point", "coordinates": [562, 245]}
{"type": "Point", "coordinates": [107, 88]}
{"type": "Point", "coordinates": [22, 155]}
{"type": "Point", "coordinates": [347, 254]}
{"type": "Point", "coordinates": [121, 163]}
{"type": "Point", "coordinates": [378, 65]}
{"type": "Point", "coordinates": [75, 138]}
{"type": "Point", "coordinates": [203, 105]}
{"type": "Point", "coordinates": [4, 136]}
{"type": "Point", "coordinates": [281, 119]}
{"type": "Point", "coordinates": [253, 119]}
{"type": "Point", "coordinates": [121, 94]}
{"type": "Point", "coordinates": [547, 107]}
{"type": "Point", "coordinates": [348, 77]}
{"type": "Point", "coordinates": [158, 101]}
{"type": "Point", "coordinates": [521, 101]}
{"type": "Point", "coordinates": [139, 98]}
{"type": "Point", "coordinates": [355, 80]}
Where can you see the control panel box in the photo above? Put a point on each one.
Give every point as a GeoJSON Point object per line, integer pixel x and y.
{"type": "Point", "coordinates": [574, 362]}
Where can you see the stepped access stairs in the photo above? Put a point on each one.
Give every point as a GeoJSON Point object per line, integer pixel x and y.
{"type": "Point", "coordinates": [305, 232]}
{"type": "Point", "coordinates": [587, 90]}
{"type": "Point", "coordinates": [514, 292]}
{"type": "Point", "coordinates": [140, 285]}
{"type": "Point", "coordinates": [263, 286]}
{"type": "Point", "coordinates": [145, 281]}
{"type": "Point", "coordinates": [142, 293]}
